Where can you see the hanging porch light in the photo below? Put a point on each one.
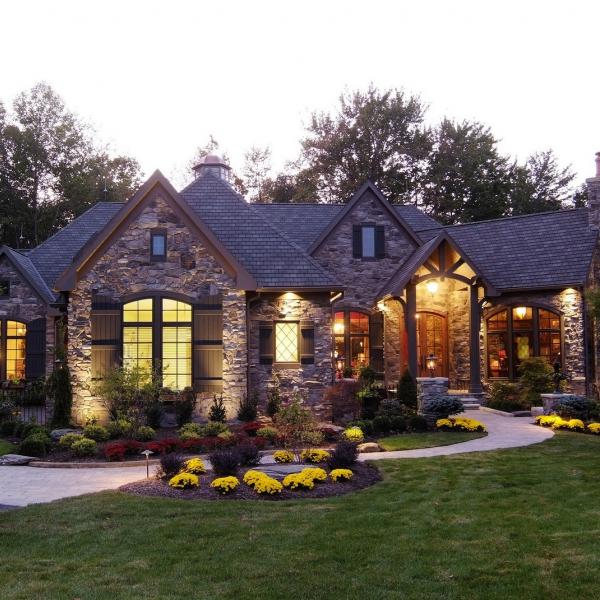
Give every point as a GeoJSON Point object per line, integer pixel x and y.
{"type": "Point", "coordinates": [432, 286]}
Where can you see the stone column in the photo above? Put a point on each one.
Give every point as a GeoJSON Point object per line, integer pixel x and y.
{"type": "Point", "coordinates": [474, 346]}
{"type": "Point", "coordinates": [430, 387]}
{"type": "Point", "coordinates": [410, 315]}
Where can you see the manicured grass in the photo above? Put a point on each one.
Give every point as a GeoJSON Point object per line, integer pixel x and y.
{"type": "Point", "coordinates": [410, 441]}
{"type": "Point", "coordinates": [519, 523]}
{"type": "Point", "coordinates": [6, 447]}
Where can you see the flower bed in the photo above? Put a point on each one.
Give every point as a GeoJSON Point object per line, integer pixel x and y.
{"type": "Point", "coordinates": [556, 422]}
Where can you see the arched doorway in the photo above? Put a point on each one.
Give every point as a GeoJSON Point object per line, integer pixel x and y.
{"type": "Point", "coordinates": [432, 338]}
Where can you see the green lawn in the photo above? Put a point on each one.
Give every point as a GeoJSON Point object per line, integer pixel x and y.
{"type": "Point", "coordinates": [519, 523]}
{"type": "Point", "coordinates": [6, 447]}
{"type": "Point", "coordinates": [410, 441]}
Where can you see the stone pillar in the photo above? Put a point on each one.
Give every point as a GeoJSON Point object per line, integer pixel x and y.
{"type": "Point", "coordinates": [410, 315]}
{"type": "Point", "coordinates": [474, 346]}
{"type": "Point", "coordinates": [430, 387]}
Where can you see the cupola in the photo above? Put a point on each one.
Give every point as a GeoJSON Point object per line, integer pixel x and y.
{"type": "Point", "coordinates": [213, 164]}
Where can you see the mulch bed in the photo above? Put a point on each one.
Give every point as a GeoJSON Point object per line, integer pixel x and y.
{"type": "Point", "coordinates": [365, 475]}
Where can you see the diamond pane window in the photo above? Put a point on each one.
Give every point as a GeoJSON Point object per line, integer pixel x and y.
{"type": "Point", "coordinates": [138, 311]}
{"type": "Point", "coordinates": [286, 342]}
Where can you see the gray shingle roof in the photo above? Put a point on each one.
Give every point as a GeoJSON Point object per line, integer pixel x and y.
{"type": "Point", "coordinates": [24, 263]}
{"type": "Point", "coordinates": [532, 251]}
{"type": "Point", "coordinates": [54, 255]}
{"type": "Point", "coordinates": [267, 253]}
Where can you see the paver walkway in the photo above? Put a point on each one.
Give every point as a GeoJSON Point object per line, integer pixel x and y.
{"type": "Point", "coordinates": [20, 486]}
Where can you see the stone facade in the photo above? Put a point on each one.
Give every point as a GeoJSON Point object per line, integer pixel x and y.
{"type": "Point", "coordinates": [310, 379]}
{"type": "Point", "coordinates": [23, 304]}
{"type": "Point", "coordinates": [125, 268]}
{"type": "Point", "coordinates": [394, 342]}
{"type": "Point", "coordinates": [364, 277]}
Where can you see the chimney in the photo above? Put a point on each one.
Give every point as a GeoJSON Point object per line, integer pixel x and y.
{"type": "Point", "coordinates": [213, 164]}
{"type": "Point", "coordinates": [593, 192]}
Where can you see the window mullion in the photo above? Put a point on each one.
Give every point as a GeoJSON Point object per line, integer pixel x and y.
{"type": "Point", "coordinates": [536, 332]}
{"type": "Point", "coordinates": [511, 344]}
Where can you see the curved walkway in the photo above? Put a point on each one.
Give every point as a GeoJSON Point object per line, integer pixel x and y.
{"type": "Point", "coordinates": [503, 432]}
{"type": "Point", "coordinates": [20, 486]}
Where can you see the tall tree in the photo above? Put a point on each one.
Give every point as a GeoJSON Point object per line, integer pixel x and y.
{"type": "Point", "coordinates": [374, 135]}
{"type": "Point", "coordinates": [540, 185]}
{"type": "Point", "coordinates": [467, 177]}
{"type": "Point", "coordinates": [50, 168]}
{"type": "Point", "coordinates": [257, 165]}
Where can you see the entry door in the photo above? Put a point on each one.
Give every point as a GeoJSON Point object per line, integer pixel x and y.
{"type": "Point", "coordinates": [432, 338]}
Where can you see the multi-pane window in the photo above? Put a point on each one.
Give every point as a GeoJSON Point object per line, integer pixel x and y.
{"type": "Point", "coordinates": [158, 245]}
{"type": "Point", "coordinates": [164, 339]}
{"type": "Point", "coordinates": [138, 335]}
{"type": "Point", "coordinates": [286, 342]}
{"type": "Point", "coordinates": [351, 339]}
{"type": "Point", "coordinates": [15, 350]}
{"type": "Point", "coordinates": [368, 241]}
{"type": "Point", "coordinates": [176, 344]}
{"type": "Point", "coordinates": [518, 333]}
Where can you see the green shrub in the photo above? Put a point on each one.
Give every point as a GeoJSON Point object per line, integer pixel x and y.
{"type": "Point", "coordinates": [145, 433]}
{"type": "Point", "coordinates": [535, 378]}
{"type": "Point", "coordinates": [67, 440]}
{"type": "Point", "coordinates": [398, 423]}
{"type": "Point", "coordinates": [185, 403]}
{"type": "Point", "coordinates": [365, 425]}
{"type": "Point", "coordinates": [297, 426]}
{"type": "Point", "coordinates": [191, 430]}
{"type": "Point", "coordinates": [506, 397]}
{"type": "Point", "coordinates": [217, 412]}
{"type": "Point", "coordinates": [7, 428]}
{"type": "Point", "coordinates": [417, 423]}
{"type": "Point", "coordinates": [442, 406]}
{"type": "Point", "coordinates": [29, 429]}
{"type": "Point", "coordinates": [382, 424]}
{"type": "Point", "coordinates": [274, 397]}
{"type": "Point", "coordinates": [96, 432]}
{"type": "Point", "coordinates": [367, 376]}
{"type": "Point", "coordinates": [248, 407]}
{"type": "Point", "coordinates": [34, 445]}
{"type": "Point", "coordinates": [573, 407]}
{"type": "Point", "coordinates": [154, 411]}
{"type": "Point", "coordinates": [119, 428]}
{"type": "Point", "coordinates": [269, 433]}
{"type": "Point", "coordinates": [84, 447]}
{"type": "Point", "coordinates": [61, 394]}
{"type": "Point", "coordinates": [213, 428]}
{"type": "Point", "coordinates": [389, 408]}
{"type": "Point", "coordinates": [407, 390]}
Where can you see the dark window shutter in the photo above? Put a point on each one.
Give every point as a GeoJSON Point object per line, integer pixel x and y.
{"type": "Point", "coordinates": [207, 365]}
{"type": "Point", "coordinates": [106, 335]}
{"type": "Point", "coordinates": [376, 341]}
{"type": "Point", "coordinates": [379, 241]}
{"type": "Point", "coordinates": [35, 349]}
{"type": "Point", "coordinates": [357, 241]}
{"type": "Point", "coordinates": [266, 343]}
{"type": "Point", "coordinates": [307, 342]}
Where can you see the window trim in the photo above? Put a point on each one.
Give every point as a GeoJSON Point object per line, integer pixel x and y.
{"type": "Point", "coordinates": [509, 332]}
{"type": "Point", "coordinates": [3, 346]}
{"type": "Point", "coordinates": [158, 232]}
{"type": "Point", "coordinates": [287, 364]}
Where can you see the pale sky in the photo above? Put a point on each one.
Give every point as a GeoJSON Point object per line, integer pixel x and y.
{"type": "Point", "coordinates": [157, 78]}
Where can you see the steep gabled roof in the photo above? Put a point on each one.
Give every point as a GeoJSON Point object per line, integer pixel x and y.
{"type": "Point", "coordinates": [275, 260]}
{"type": "Point", "coordinates": [156, 184]}
{"type": "Point", "coordinates": [28, 271]}
{"type": "Point", "coordinates": [368, 186]}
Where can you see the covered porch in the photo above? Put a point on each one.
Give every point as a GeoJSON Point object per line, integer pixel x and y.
{"type": "Point", "coordinates": [432, 312]}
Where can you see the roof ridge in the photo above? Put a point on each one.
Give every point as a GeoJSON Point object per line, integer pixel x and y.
{"type": "Point", "coordinates": [512, 217]}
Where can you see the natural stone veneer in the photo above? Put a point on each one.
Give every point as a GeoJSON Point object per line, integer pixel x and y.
{"type": "Point", "coordinates": [125, 268]}
{"type": "Point", "coordinates": [310, 379]}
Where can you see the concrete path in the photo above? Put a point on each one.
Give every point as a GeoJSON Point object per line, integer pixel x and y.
{"type": "Point", "coordinates": [503, 432]}
{"type": "Point", "coordinates": [20, 486]}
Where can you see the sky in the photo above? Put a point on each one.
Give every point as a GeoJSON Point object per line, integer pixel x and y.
{"type": "Point", "coordinates": [155, 79]}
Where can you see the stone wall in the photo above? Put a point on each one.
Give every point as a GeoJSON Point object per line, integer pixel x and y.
{"type": "Point", "coordinates": [311, 379]}
{"type": "Point", "coordinates": [567, 302]}
{"type": "Point", "coordinates": [364, 277]}
{"type": "Point", "coordinates": [125, 268]}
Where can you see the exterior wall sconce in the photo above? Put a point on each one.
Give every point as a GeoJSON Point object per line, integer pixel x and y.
{"type": "Point", "coordinates": [521, 312]}
{"type": "Point", "coordinates": [432, 286]}
{"type": "Point", "coordinates": [431, 364]}
{"type": "Point", "coordinates": [381, 306]}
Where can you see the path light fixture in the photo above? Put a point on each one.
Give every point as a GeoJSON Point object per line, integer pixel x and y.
{"type": "Point", "coordinates": [431, 364]}
{"type": "Point", "coordinates": [147, 454]}
{"type": "Point", "coordinates": [432, 286]}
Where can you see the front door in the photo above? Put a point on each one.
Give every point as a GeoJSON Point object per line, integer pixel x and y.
{"type": "Point", "coordinates": [432, 338]}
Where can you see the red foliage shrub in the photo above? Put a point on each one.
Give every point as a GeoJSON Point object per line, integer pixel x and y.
{"type": "Point", "coordinates": [171, 444]}
{"type": "Point", "coordinates": [115, 451]}
{"type": "Point", "coordinates": [252, 427]}
{"type": "Point", "coordinates": [259, 442]}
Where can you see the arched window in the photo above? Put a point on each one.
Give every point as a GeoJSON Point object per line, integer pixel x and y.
{"type": "Point", "coordinates": [13, 348]}
{"type": "Point", "coordinates": [351, 339]}
{"type": "Point", "coordinates": [158, 331]}
{"type": "Point", "coordinates": [520, 332]}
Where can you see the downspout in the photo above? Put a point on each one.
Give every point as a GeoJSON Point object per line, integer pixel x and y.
{"type": "Point", "coordinates": [587, 355]}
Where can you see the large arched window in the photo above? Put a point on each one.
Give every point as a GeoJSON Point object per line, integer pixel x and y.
{"type": "Point", "coordinates": [517, 333]}
{"type": "Point", "coordinates": [351, 339]}
{"type": "Point", "coordinates": [12, 348]}
{"type": "Point", "coordinates": [157, 333]}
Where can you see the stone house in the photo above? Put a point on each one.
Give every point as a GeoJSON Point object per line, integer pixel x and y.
{"type": "Point", "coordinates": [217, 294]}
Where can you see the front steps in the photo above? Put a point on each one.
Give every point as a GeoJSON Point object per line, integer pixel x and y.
{"type": "Point", "coordinates": [470, 401]}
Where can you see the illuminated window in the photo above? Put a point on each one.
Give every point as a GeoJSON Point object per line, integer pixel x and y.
{"type": "Point", "coordinates": [176, 344]}
{"type": "Point", "coordinates": [351, 339]}
{"type": "Point", "coordinates": [519, 333]}
{"type": "Point", "coordinates": [15, 350]}
{"type": "Point", "coordinates": [137, 348]}
{"type": "Point", "coordinates": [286, 342]}
{"type": "Point", "coordinates": [138, 311]}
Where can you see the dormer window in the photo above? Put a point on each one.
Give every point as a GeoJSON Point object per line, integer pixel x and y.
{"type": "Point", "coordinates": [158, 245]}
{"type": "Point", "coordinates": [368, 241]}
